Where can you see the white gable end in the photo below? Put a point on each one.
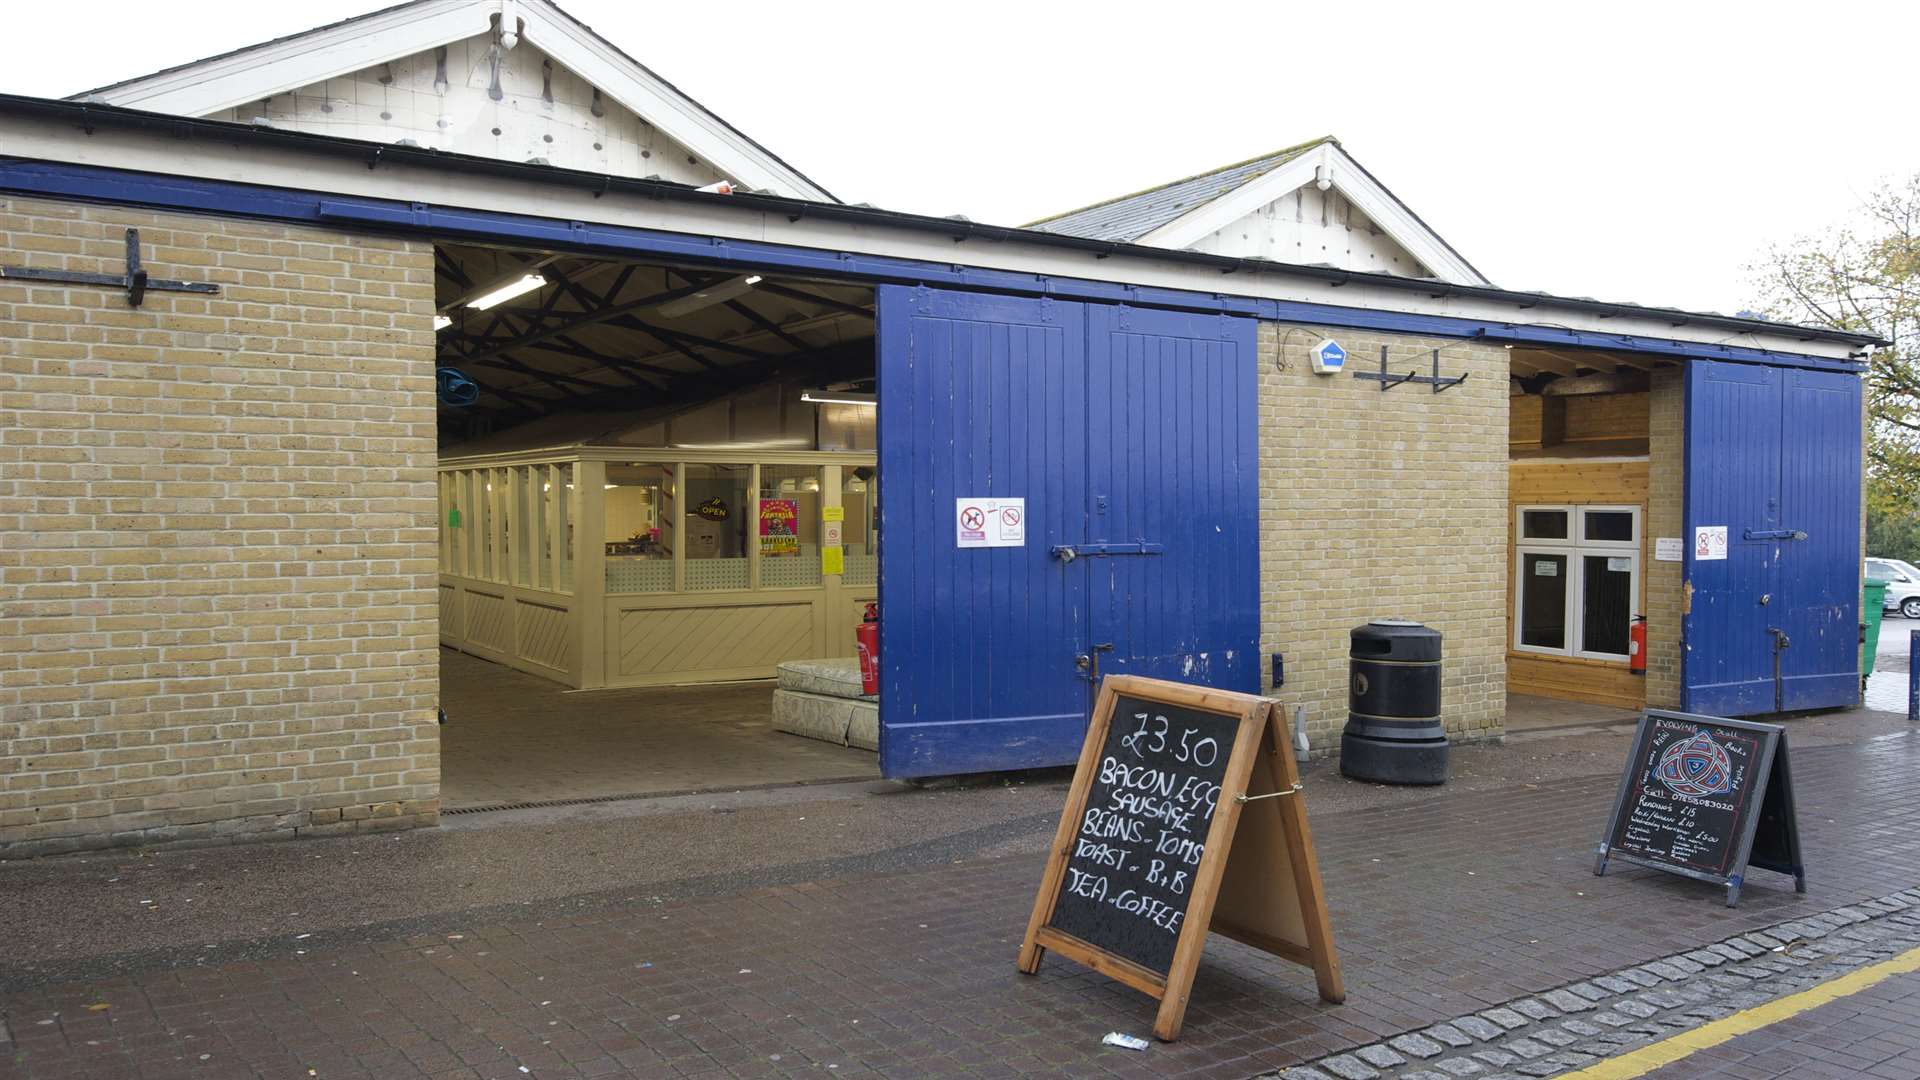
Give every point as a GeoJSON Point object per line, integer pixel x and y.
{"type": "Point", "coordinates": [1334, 189]}
{"type": "Point", "coordinates": [1311, 226]}
{"type": "Point", "coordinates": [471, 97]}
{"type": "Point", "coordinates": [513, 79]}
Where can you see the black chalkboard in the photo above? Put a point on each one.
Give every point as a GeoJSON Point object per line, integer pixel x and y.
{"type": "Point", "coordinates": [1705, 797]}
{"type": "Point", "coordinates": [1130, 874]}
{"type": "Point", "coordinates": [1185, 816]}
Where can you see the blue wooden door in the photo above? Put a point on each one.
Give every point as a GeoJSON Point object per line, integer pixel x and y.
{"type": "Point", "coordinates": [1817, 578]}
{"type": "Point", "coordinates": [1172, 459]}
{"type": "Point", "coordinates": [1773, 457]}
{"type": "Point", "coordinates": [1125, 432]}
{"type": "Point", "coordinates": [979, 396]}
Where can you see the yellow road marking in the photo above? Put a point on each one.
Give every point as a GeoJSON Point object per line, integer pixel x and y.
{"type": "Point", "coordinates": [1648, 1058]}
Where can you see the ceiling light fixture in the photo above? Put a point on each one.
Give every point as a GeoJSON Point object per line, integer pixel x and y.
{"type": "Point", "coordinates": [706, 298]}
{"type": "Point", "coordinates": [507, 292]}
{"type": "Point", "coordinates": [837, 397]}
{"type": "Point", "coordinates": [441, 322]}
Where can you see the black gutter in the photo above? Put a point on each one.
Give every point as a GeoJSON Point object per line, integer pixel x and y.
{"type": "Point", "coordinates": [88, 117]}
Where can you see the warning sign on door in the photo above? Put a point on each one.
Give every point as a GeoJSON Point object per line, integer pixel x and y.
{"type": "Point", "coordinates": [991, 522]}
{"type": "Point", "coordinates": [1709, 542]}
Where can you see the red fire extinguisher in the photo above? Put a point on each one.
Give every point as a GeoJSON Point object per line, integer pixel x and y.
{"type": "Point", "coordinates": [1637, 646]}
{"type": "Point", "coordinates": [868, 635]}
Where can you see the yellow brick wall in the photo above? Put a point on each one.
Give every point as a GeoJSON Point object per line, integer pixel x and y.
{"type": "Point", "coordinates": [1383, 505]}
{"type": "Point", "coordinates": [217, 547]}
{"type": "Point", "coordinates": [1666, 421]}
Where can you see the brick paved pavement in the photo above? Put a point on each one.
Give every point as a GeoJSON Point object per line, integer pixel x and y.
{"type": "Point", "coordinates": [1441, 907]}
{"type": "Point", "coordinates": [1871, 1035]}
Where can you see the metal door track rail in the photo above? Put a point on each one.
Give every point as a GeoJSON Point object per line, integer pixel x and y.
{"type": "Point", "coordinates": [135, 280]}
{"type": "Point", "coordinates": [1388, 380]}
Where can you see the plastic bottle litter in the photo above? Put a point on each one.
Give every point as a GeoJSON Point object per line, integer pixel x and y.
{"type": "Point", "coordinates": [1130, 1042]}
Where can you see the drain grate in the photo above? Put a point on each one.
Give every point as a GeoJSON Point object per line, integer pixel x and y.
{"type": "Point", "coordinates": [585, 800]}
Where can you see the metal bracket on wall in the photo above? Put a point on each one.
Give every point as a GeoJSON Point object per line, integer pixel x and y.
{"type": "Point", "coordinates": [1388, 381]}
{"type": "Point", "coordinates": [135, 280]}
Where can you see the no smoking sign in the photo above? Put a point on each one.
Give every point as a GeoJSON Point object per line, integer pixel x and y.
{"type": "Point", "coordinates": [990, 523]}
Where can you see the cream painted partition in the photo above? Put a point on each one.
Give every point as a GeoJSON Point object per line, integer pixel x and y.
{"type": "Point", "coordinates": [525, 575]}
{"type": "Point", "coordinates": [683, 636]}
{"type": "Point", "coordinates": [527, 629]}
{"type": "Point", "coordinates": [498, 601]}
{"type": "Point", "coordinates": [508, 595]}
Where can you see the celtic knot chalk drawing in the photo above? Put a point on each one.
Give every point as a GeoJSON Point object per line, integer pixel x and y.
{"type": "Point", "coordinates": [1697, 767]}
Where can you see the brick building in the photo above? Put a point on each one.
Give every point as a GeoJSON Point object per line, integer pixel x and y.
{"type": "Point", "coordinates": [482, 336]}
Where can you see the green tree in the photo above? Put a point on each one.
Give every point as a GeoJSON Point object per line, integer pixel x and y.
{"type": "Point", "coordinates": [1893, 535]}
{"type": "Point", "coordinates": [1864, 276]}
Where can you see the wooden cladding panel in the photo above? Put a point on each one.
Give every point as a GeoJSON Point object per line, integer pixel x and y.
{"type": "Point", "coordinates": [1523, 420]}
{"type": "Point", "coordinates": [489, 621]}
{"type": "Point", "coordinates": [1614, 482]}
{"type": "Point", "coordinates": [449, 612]}
{"type": "Point", "coordinates": [692, 639]}
{"type": "Point", "coordinates": [545, 637]}
{"type": "Point", "coordinates": [1574, 679]}
{"type": "Point", "coordinates": [1534, 421]}
{"type": "Point", "coordinates": [1606, 416]}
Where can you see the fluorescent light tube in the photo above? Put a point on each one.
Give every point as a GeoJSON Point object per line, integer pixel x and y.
{"type": "Point", "coordinates": [441, 322]}
{"type": "Point", "coordinates": [837, 397]}
{"type": "Point", "coordinates": [507, 292]}
{"type": "Point", "coordinates": [706, 298]}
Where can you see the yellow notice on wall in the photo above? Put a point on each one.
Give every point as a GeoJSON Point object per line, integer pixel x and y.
{"type": "Point", "coordinates": [833, 560]}
{"type": "Point", "coordinates": [833, 513]}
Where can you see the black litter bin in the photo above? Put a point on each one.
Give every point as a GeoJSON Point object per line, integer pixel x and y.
{"type": "Point", "coordinates": [1394, 734]}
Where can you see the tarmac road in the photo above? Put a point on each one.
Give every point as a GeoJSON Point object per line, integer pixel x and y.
{"type": "Point", "coordinates": [1895, 636]}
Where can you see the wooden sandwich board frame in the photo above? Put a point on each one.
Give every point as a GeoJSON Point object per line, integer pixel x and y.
{"type": "Point", "coordinates": [1772, 786]}
{"type": "Point", "coordinates": [1258, 880]}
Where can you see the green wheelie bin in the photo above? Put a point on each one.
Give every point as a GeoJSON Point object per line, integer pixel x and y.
{"type": "Point", "coordinates": [1872, 601]}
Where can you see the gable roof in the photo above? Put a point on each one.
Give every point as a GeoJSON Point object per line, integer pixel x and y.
{"type": "Point", "coordinates": [1127, 218]}
{"type": "Point", "coordinates": [207, 86]}
{"type": "Point", "coordinates": [1179, 213]}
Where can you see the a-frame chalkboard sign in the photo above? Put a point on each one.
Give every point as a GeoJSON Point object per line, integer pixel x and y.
{"type": "Point", "coordinates": [1185, 815]}
{"type": "Point", "coordinates": [1705, 797]}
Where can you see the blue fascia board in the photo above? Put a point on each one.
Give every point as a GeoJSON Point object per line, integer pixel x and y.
{"type": "Point", "coordinates": [230, 198]}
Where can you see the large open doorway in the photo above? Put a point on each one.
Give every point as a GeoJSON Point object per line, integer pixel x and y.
{"type": "Point", "coordinates": [658, 484]}
{"type": "Point", "coordinates": [1579, 530]}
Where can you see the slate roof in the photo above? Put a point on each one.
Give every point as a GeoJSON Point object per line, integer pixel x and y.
{"type": "Point", "coordinates": [1130, 217]}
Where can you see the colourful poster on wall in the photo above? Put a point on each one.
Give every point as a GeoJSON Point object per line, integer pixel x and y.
{"type": "Point", "coordinates": [779, 535]}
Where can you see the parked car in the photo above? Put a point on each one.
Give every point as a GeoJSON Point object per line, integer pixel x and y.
{"type": "Point", "coordinates": [1903, 585]}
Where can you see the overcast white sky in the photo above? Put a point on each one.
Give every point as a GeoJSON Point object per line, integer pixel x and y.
{"type": "Point", "coordinates": [1624, 151]}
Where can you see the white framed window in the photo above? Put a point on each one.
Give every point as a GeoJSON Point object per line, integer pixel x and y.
{"type": "Point", "coordinates": [1576, 579]}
